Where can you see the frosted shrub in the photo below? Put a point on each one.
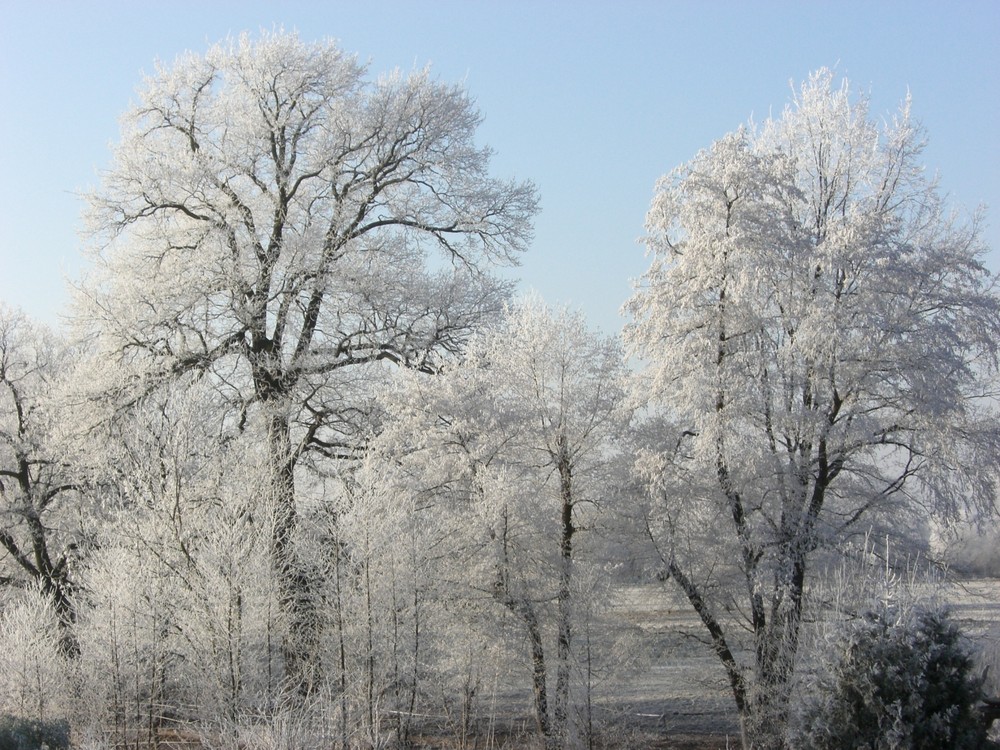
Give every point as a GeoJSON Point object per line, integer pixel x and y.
{"type": "Point", "coordinates": [903, 679]}
{"type": "Point", "coordinates": [124, 626]}
{"type": "Point", "coordinates": [33, 675]}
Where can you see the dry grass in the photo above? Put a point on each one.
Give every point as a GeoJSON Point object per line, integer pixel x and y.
{"type": "Point", "coordinates": [677, 698]}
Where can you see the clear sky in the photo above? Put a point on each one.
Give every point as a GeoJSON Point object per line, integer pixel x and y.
{"type": "Point", "coordinates": [593, 101]}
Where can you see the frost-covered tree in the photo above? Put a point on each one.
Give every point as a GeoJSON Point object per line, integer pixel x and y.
{"type": "Point", "coordinates": [514, 445]}
{"type": "Point", "coordinates": [268, 221]}
{"type": "Point", "coordinates": [381, 630]}
{"type": "Point", "coordinates": [39, 488]}
{"type": "Point", "coordinates": [818, 330]}
{"type": "Point", "coordinates": [35, 676]}
{"type": "Point", "coordinates": [178, 610]}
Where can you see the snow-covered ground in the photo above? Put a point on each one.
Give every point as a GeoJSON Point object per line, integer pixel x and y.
{"type": "Point", "coordinates": [682, 687]}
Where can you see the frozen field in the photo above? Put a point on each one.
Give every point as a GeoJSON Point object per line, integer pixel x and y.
{"type": "Point", "coordinates": [683, 691]}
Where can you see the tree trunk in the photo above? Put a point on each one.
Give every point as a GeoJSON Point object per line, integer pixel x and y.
{"type": "Point", "coordinates": [560, 715]}
{"type": "Point", "coordinates": [295, 587]}
{"type": "Point", "coordinates": [765, 718]}
{"type": "Point", "coordinates": [53, 578]}
{"type": "Point", "coordinates": [764, 721]}
{"type": "Point", "coordinates": [538, 675]}
{"type": "Point", "coordinates": [524, 610]}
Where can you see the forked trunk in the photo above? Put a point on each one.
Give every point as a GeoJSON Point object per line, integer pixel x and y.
{"type": "Point", "coordinates": [764, 720]}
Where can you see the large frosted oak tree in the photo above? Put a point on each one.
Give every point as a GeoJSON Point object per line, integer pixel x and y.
{"type": "Point", "coordinates": [267, 222]}
{"type": "Point", "coordinates": [821, 331]}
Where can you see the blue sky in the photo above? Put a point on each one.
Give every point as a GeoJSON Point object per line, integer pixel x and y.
{"type": "Point", "coordinates": [593, 101]}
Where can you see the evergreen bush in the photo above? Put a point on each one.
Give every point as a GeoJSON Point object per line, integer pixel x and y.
{"type": "Point", "coordinates": [903, 679]}
{"type": "Point", "coordinates": [17, 733]}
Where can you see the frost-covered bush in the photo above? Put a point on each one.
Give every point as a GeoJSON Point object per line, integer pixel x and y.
{"type": "Point", "coordinates": [34, 675]}
{"type": "Point", "coordinates": [903, 679]}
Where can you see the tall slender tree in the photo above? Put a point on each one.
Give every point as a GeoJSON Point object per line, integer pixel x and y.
{"type": "Point", "coordinates": [516, 441]}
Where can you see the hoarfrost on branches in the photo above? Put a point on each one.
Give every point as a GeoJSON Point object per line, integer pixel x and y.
{"type": "Point", "coordinates": [514, 449]}
{"type": "Point", "coordinates": [821, 331]}
{"type": "Point", "coordinates": [267, 224]}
